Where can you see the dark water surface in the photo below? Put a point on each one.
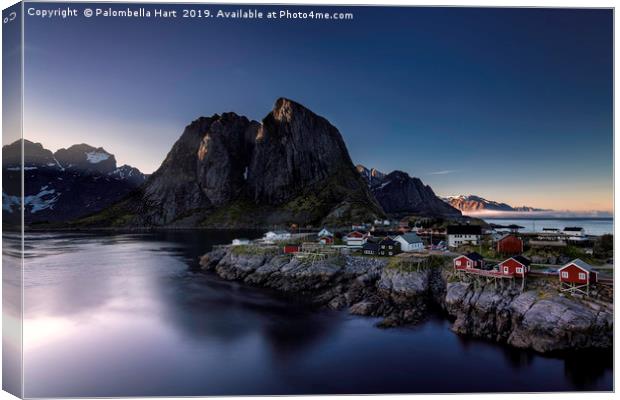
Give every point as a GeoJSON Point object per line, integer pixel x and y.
{"type": "Point", "coordinates": [125, 314]}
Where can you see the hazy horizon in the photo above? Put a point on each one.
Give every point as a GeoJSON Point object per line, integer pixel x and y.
{"type": "Point", "coordinates": [514, 105]}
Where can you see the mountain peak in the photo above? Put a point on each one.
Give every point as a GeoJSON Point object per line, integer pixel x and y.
{"type": "Point", "coordinates": [85, 157]}
{"type": "Point", "coordinates": [400, 194]}
{"type": "Point", "coordinates": [282, 104]}
{"type": "Point", "coordinates": [294, 167]}
{"type": "Point", "coordinates": [86, 183]}
{"type": "Point", "coordinates": [473, 203]}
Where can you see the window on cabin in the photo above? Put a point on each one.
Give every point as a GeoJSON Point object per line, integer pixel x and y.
{"type": "Point", "coordinates": [506, 270]}
{"type": "Point", "coordinates": [519, 270]}
{"type": "Point", "coordinates": [458, 263]}
{"type": "Point", "coordinates": [582, 276]}
{"type": "Point", "coordinates": [564, 274]}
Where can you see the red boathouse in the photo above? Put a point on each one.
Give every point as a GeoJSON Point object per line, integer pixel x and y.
{"type": "Point", "coordinates": [290, 249]}
{"type": "Point", "coordinates": [509, 245]}
{"type": "Point", "coordinates": [469, 261]}
{"type": "Point", "coordinates": [576, 277]}
{"type": "Point", "coordinates": [578, 271]}
{"type": "Point", "coordinates": [515, 266]}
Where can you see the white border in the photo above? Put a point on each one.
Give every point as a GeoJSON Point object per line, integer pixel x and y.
{"type": "Point", "coordinates": [478, 3]}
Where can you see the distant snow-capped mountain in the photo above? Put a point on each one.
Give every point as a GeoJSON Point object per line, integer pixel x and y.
{"type": "Point", "coordinates": [472, 203]}
{"type": "Point", "coordinates": [64, 185]}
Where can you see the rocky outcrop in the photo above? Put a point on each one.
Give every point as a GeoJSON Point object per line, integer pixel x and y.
{"type": "Point", "coordinates": [544, 322]}
{"type": "Point", "coordinates": [227, 171]}
{"type": "Point", "coordinates": [401, 195]}
{"type": "Point", "coordinates": [364, 286]}
{"type": "Point", "coordinates": [537, 319]}
{"type": "Point", "coordinates": [372, 176]}
{"type": "Point", "coordinates": [64, 185]}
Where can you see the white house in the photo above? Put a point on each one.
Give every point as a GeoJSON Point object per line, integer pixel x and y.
{"type": "Point", "coordinates": [574, 233]}
{"type": "Point", "coordinates": [410, 242]}
{"type": "Point", "coordinates": [324, 233]}
{"type": "Point", "coordinates": [355, 239]}
{"type": "Point", "coordinates": [459, 235]}
{"type": "Point", "coordinates": [240, 242]}
{"type": "Point", "coordinates": [277, 235]}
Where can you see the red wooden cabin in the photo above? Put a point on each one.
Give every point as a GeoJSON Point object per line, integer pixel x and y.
{"type": "Point", "coordinates": [289, 249]}
{"type": "Point", "coordinates": [469, 261]}
{"type": "Point", "coordinates": [326, 240]}
{"type": "Point", "coordinates": [515, 266]}
{"type": "Point", "coordinates": [510, 244]}
{"type": "Point", "coordinates": [578, 272]}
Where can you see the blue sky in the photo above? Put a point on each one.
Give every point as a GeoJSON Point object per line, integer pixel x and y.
{"type": "Point", "coordinates": [511, 104]}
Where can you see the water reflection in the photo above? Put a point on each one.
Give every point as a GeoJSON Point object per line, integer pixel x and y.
{"type": "Point", "coordinates": [126, 314]}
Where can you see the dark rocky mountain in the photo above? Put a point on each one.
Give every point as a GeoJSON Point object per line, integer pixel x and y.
{"type": "Point", "coordinates": [61, 186]}
{"type": "Point", "coordinates": [471, 203]}
{"type": "Point", "coordinates": [228, 171]}
{"type": "Point", "coordinates": [371, 176]}
{"type": "Point", "coordinates": [399, 194]}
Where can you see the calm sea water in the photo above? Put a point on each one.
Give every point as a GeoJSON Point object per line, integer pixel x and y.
{"type": "Point", "coordinates": [592, 226]}
{"type": "Point", "coordinates": [126, 314]}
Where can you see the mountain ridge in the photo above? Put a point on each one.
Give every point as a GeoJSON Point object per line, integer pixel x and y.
{"type": "Point", "coordinates": [228, 171]}
{"type": "Point", "coordinates": [474, 203]}
{"type": "Point", "coordinates": [62, 185]}
{"type": "Point", "coordinates": [400, 194]}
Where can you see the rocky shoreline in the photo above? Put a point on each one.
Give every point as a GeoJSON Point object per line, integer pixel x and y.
{"type": "Point", "coordinates": [402, 292]}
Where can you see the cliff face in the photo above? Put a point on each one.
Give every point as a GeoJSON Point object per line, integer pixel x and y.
{"type": "Point", "coordinates": [526, 320]}
{"type": "Point", "coordinates": [536, 318]}
{"type": "Point", "coordinates": [401, 195]}
{"type": "Point", "coordinates": [203, 170]}
{"type": "Point", "coordinates": [227, 171]}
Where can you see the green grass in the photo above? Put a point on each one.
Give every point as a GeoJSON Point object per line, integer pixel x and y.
{"type": "Point", "coordinates": [405, 265]}
{"type": "Point", "coordinates": [249, 250]}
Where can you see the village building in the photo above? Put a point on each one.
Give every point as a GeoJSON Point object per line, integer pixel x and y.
{"type": "Point", "coordinates": [575, 233]}
{"type": "Point", "coordinates": [326, 240]}
{"type": "Point", "coordinates": [515, 266]}
{"type": "Point", "coordinates": [388, 247]}
{"type": "Point", "coordinates": [577, 276]}
{"type": "Point", "coordinates": [324, 232]}
{"type": "Point", "coordinates": [550, 234]}
{"type": "Point", "coordinates": [371, 247]}
{"type": "Point", "coordinates": [459, 235]}
{"type": "Point", "coordinates": [355, 239]}
{"type": "Point", "coordinates": [240, 242]}
{"type": "Point", "coordinates": [469, 261]}
{"type": "Point", "coordinates": [277, 235]}
{"type": "Point", "coordinates": [291, 249]}
{"type": "Point", "coordinates": [410, 242]}
{"type": "Point", "coordinates": [509, 245]}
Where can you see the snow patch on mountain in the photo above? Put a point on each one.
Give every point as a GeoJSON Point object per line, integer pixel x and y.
{"type": "Point", "coordinates": [44, 199]}
{"type": "Point", "coordinates": [475, 204]}
{"type": "Point", "coordinates": [95, 157]}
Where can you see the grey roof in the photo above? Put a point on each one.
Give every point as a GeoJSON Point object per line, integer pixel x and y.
{"type": "Point", "coordinates": [522, 260]}
{"type": "Point", "coordinates": [581, 264]}
{"type": "Point", "coordinates": [474, 256]}
{"type": "Point", "coordinates": [464, 230]}
{"type": "Point", "coordinates": [411, 238]}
